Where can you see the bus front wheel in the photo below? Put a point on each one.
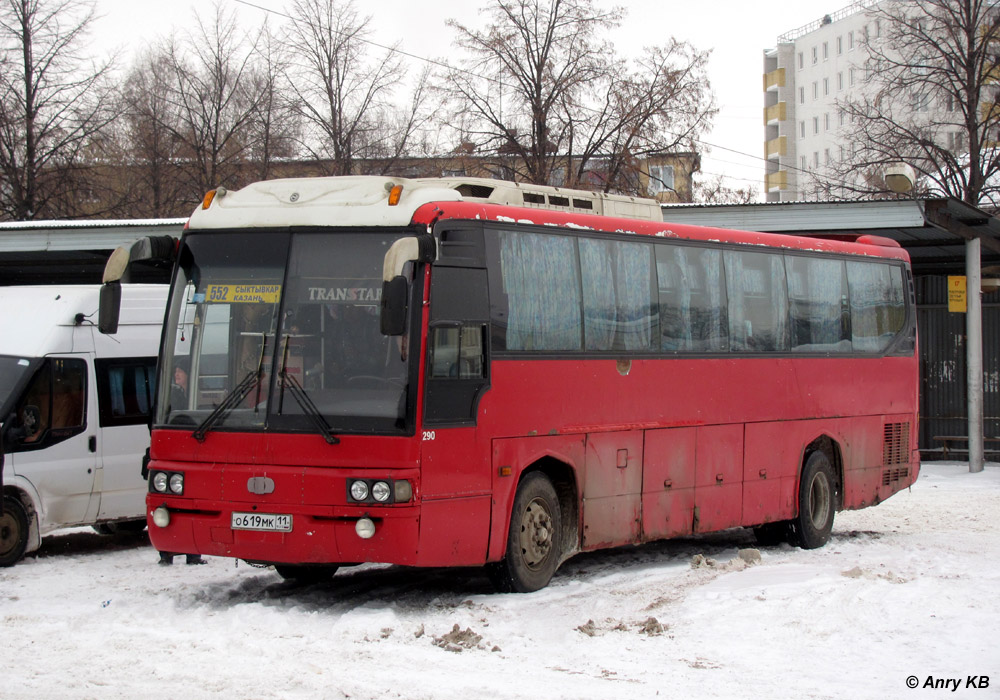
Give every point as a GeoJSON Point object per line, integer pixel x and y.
{"type": "Point", "coordinates": [13, 531]}
{"type": "Point", "coordinates": [533, 539]}
{"type": "Point", "coordinates": [817, 503]}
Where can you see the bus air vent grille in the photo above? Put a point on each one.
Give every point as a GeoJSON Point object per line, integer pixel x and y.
{"type": "Point", "coordinates": [896, 444]}
{"type": "Point", "coordinates": [891, 476]}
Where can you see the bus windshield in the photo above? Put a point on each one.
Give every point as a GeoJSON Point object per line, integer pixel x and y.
{"type": "Point", "coordinates": [280, 331]}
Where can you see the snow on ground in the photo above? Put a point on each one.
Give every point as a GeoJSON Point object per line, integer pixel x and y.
{"type": "Point", "coordinates": [909, 588]}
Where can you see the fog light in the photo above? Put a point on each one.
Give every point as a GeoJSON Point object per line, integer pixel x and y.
{"type": "Point", "coordinates": [160, 482]}
{"type": "Point", "coordinates": [404, 492]}
{"type": "Point", "coordinates": [177, 483]}
{"type": "Point", "coordinates": [161, 517]}
{"type": "Point", "coordinates": [380, 491]}
{"type": "Point", "coordinates": [365, 528]}
{"type": "Point", "coordinates": [359, 490]}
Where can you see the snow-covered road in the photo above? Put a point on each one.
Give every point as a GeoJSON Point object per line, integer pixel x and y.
{"type": "Point", "coordinates": [907, 590]}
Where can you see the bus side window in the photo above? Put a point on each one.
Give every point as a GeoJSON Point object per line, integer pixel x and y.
{"type": "Point", "coordinates": [457, 352]}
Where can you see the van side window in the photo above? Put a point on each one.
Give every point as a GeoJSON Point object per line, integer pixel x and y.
{"type": "Point", "coordinates": [54, 406]}
{"type": "Point", "coordinates": [125, 390]}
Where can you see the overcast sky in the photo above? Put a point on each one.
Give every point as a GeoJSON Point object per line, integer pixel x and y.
{"type": "Point", "coordinates": [737, 31]}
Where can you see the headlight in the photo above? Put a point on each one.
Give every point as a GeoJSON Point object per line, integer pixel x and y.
{"type": "Point", "coordinates": [160, 482]}
{"type": "Point", "coordinates": [380, 491]}
{"type": "Point", "coordinates": [404, 492]}
{"type": "Point", "coordinates": [359, 490]}
{"type": "Point", "coordinates": [177, 483]}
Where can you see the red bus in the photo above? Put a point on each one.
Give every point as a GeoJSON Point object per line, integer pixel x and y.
{"type": "Point", "coordinates": [478, 373]}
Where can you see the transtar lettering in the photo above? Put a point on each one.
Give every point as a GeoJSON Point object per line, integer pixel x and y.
{"type": "Point", "coordinates": [359, 294]}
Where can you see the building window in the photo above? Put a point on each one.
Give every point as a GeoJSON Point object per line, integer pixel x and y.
{"type": "Point", "coordinates": [840, 118]}
{"type": "Point", "coordinates": [815, 125]}
{"type": "Point", "coordinates": [815, 90]}
{"type": "Point", "coordinates": [841, 153]}
{"type": "Point", "coordinates": [840, 45]}
{"type": "Point", "coordinates": [840, 81]}
{"type": "Point", "coordinates": [801, 63]}
{"type": "Point", "coordinates": [661, 178]}
{"type": "Point", "coordinates": [850, 41]}
{"type": "Point", "coordinates": [878, 28]}
{"type": "Point", "coordinates": [826, 86]}
{"type": "Point", "coordinates": [851, 77]}
{"type": "Point", "coordinates": [802, 163]}
{"type": "Point", "coordinates": [826, 156]}
{"type": "Point", "coordinates": [815, 159]}
{"type": "Point", "coordinates": [802, 129]}
{"type": "Point", "coordinates": [815, 56]}
{"type": "Point", "coordinates": [802, 95]}
{"type": "Point", "coordinates": [826, 50]}
{"type": "Point", "coordinates": [919, 101]}
{"type": "Point", "coordinates": [826, 121]}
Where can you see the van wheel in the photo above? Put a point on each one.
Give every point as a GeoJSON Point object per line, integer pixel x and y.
{"type": "Point", "coordinates": [533, 539]}
{"type": "Point", "coordinates": [817, 503]}
{"type": "Point", "coordinates": [13, 531]}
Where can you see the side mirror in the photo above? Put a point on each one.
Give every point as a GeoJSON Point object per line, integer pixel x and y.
{"type": "Point", "coordinates": [393, 305]}
{"type": "Point", "coordinates": [110, 307]}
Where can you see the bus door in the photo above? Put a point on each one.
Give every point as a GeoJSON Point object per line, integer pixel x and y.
{"type": "Point", "coordinates": [455, 465]}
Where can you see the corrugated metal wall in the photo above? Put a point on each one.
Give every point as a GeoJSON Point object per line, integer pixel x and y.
{"type": "Point", "coordinates": [942, 365]}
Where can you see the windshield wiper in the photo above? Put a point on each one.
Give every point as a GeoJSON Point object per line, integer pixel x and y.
{"type": "Point", "coordinates": [233, 398]}
{"type": "Point", "coordinates": [302, 399]}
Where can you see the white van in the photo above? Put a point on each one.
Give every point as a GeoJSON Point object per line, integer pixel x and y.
{"type": "Point", "coordinates": [75, 410]}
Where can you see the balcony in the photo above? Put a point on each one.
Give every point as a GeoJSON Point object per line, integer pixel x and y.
{"type": "Point", "coordinates": [774, 113]}
{"type": "Point", "coordinates": [776, 147]}
{"type": "Point", "coordinates": [776, 181]}
{"type": "Point", "coordinates": [775, 78]}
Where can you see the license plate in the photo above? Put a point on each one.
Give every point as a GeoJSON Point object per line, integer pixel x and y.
{"type": "Point", "coordinates": [271, 522]}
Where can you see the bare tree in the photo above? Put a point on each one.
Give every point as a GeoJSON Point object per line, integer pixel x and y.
{"type": "Point", "coordinates": [275, 127]}
{"type": "Point", "coordinates": [212, 94]}
{"type": "Point", "coordinates": [152, 149]}
{"type": "Point", "coordinates": [342, 94]}
{"type": "Point", "coordinates": [712, 190]}
{"type": "Point", "coordinates": [53, 103]}
{"type": "Point", "coordinates": [545, 94]}
{"type": "Point", "coordinates": [931, 100]}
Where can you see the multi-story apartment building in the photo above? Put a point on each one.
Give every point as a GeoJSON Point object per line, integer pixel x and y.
{"type": "Point", "coordinates": [812, 68]}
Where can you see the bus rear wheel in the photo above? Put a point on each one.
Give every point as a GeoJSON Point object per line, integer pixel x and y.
{"type": "Point", "coordinates": [533, 539]}
{"type": "Point", "coordinates": [817, 503]}
{"type": "Point", "coordinates": [13, 531]}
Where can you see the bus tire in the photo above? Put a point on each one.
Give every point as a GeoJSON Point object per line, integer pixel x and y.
{"type": "Point", "coordinates": [533, 539]}
{"type": "Point", "coordinates": [13, 531]}
{"type": "Point", "coordinates": [306, 573]}
{"type": "Point", "coordinates": [817, 503]}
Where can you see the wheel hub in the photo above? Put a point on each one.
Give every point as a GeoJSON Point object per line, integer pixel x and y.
{"type": "Point", "coordinates": [536, 533]}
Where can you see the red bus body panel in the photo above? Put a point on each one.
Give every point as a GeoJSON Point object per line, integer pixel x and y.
{"type": "Point", "coordinates": [656, 447]}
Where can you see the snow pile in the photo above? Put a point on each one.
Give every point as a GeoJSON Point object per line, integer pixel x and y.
{"type": "Point", "coordinates": [904, 589]}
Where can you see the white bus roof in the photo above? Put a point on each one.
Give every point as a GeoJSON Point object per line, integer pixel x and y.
{"type": "Point", "coordinates": [364, 201]}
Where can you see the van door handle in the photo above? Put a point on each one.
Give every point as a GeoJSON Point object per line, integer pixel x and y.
{"type": "Point", "coordinates": [92, 443]}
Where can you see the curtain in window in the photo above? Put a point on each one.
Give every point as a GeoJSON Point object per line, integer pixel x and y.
{"type": "Point", "coordinates": [877, 307]}
{"type": "Point", "coordinates": [599, 308]}
{"type": "Point", "coordinates": [543, 291]}
{"type": "Point", "coordinates": [635, 295]}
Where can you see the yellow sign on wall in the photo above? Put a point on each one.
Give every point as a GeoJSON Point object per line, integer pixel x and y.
{"type": "Point", "coordinates": [957, 300]}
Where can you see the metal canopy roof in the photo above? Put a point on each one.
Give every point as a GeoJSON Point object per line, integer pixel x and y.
{"type": "Point", "coordinates": [75, 252]}
{"type": "Point", "coordinates": [933, 231]}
